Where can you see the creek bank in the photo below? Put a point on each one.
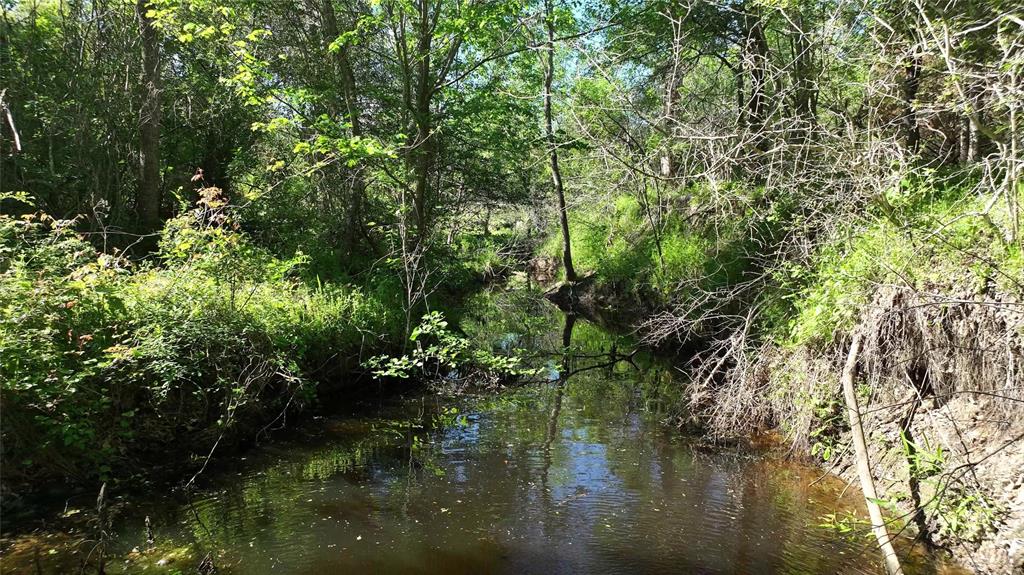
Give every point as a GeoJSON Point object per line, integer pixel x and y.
{"type": "Point", "coordinates": [31, 506]}
{"type": "Point", "coordinates": [941, 386]}
{"type": "Point", "coordinates": [946, 372]}
{"type": "Point", "coordinates": [600, 303]}
{"type": "Point", "coordinates": [973, 497]}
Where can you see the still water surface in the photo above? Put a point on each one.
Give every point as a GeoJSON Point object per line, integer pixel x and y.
{"type": "Point", "coordinates": [573, 474]}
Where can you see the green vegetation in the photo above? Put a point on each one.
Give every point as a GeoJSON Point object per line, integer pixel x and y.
{"type": "Point", "coordinates": [443, 355]}
{"type": "Point", "coordinates": [216, 213]}
{"type": "Point", "coordinates": [929, 232]}
{"type": "Point", "coordinates": [678, 256]}
{"type": "Point", "coordinates": [110, 361]}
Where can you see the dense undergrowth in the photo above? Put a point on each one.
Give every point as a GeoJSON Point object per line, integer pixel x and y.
{"type": "Point", "coordinates": [658, 257]}
{"type": "Point", "coordinates": [109, 362]}
{"type": "Point", "coordinates": [700, 268]}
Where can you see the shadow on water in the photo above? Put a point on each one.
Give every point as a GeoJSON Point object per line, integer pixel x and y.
{"type": "Point", "coordinates": [573, 474]}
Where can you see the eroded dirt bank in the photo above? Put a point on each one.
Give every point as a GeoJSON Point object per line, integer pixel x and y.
{"type": "Point", "coordinates": [941, 386]}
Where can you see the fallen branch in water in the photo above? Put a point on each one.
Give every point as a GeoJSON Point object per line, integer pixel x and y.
{"type": "Point", "coordinates": [867, 482]}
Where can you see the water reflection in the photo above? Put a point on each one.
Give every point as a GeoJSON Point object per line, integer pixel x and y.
{"type": "Point", "coordinates": [573, 475]}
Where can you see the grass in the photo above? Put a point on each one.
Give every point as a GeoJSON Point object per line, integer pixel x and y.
{"type": "Point", "coordinates": [931, 233]}
{"type": "Point", "coordinates": [628, 255]}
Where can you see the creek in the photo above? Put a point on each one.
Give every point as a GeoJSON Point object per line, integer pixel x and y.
{"type": "Point", "coordinates": [574, 473]}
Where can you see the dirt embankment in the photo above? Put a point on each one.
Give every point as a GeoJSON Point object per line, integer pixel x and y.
{"type": "Point", "coordinates": [971, 495]}
{"type": "Point", "coordinates": [941, 386]}
{"type": "Point", "coordinates": [943, 373]}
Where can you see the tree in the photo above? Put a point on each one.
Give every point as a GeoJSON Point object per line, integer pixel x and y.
{"type": "Point", "coordinates": [338, 45]}
{"type": "Point", "coordinates": [552, 145]}
{"type": "Point", "coordinates": [148, 197]}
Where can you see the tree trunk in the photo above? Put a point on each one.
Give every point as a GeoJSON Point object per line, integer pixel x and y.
{"type": "Point", "coordinates": [965, 142]}
{"type": "Point", "coordinates": [423, 147]}
{"type": "Point", "coordinates": [756, 55]}
{"type": "Point", "coordinates": [741, 101]}
{"type": "Point", "coordinates": [549, 134]}
{"type": "Point", "coordinates": [741, 117]}
{"type": "Point", "coordinates": [147, 198]}
{"type": "Point", "coordinates": [804, 101]}
{"type": "Point", "coordinates": [911, 83]}
{"type": "Point", "coordinates": [1013, 172]}
{"type": "Point", "coordinates": [867, 482]}
{"type": "Point", "coordinates": [668, 167]}
{"type": "Point", "coordinates": [350, 98]}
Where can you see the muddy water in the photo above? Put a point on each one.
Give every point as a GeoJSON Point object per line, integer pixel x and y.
{"type": "Point", "coordinates": [575, 473]}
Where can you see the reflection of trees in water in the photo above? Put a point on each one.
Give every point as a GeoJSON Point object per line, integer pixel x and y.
{"type": "Point", "coordinates": [264, 501]}
{"type": "Point", "coordinates": [556, 407]}
{"type": "Point", "coordinates": [747, 514]}
{"type": "Point", "coordinates": [510, 320]}
{"type": "Point", "coordinates": [735, 513]}
{"type": "Point", "coordinates": [504, 319]}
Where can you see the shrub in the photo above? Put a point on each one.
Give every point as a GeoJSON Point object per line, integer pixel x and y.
{"type": "Point", "coordinates": [104, 363]}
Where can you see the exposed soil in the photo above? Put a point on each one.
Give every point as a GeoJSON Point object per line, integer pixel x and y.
{"type": "Point", "coordinates": [978, 481]}
{"type": "Point", "coordinates": [945, 419]}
